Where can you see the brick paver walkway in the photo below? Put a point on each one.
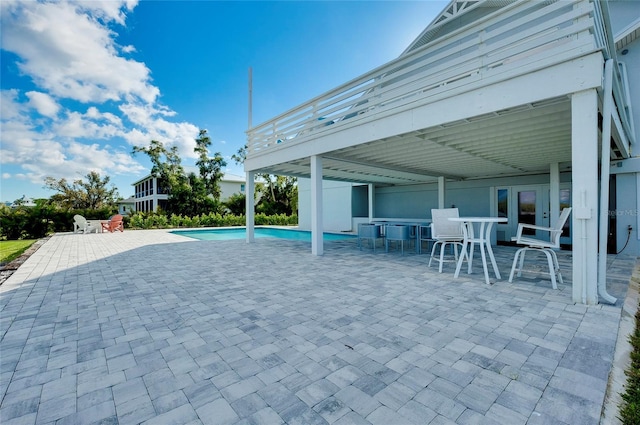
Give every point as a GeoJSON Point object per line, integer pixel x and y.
{"type": "Point", "coordinates": [154, 328]}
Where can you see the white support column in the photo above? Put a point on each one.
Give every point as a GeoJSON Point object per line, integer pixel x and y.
{"type": "Point", "coordinates": [584, 178]}
{"type": "Point", "coordinates": [250, 205]}
{"type": "Point", "coordinates": [372, 201]}
{"type": "Point", "coordinates": [317, 247]}
{"type": "Point", "coordinates": [441, 190]}
{"type": "Point", "coordinates": [605, 163]}
{"type": "Point", "coordinates": [554, 192]}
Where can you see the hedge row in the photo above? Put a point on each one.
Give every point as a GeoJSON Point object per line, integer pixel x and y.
{"type": "Point", "coordinates": [161, 221]}
{"type": "Point", "coordinates": [38, 222]}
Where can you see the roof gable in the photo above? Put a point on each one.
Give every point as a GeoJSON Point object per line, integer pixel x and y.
{"type": "Point", "coordinates": [457, 14]}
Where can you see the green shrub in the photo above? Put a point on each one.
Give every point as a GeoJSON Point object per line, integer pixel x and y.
{"type": "Point", "coordinates": [276, 220]}
{"type": "Point", "coordinates": [149, 222]}
{"type": "Point", "coordinates": [175, 220]}
{"type": "Point", "coordinates": [630, 406]}
{"type": "Point", "coordinates": [162, 222]}
{"type": "Point", "coordinates": [136, 221]}
{"type": "Point", "coordinates": [236, 204]}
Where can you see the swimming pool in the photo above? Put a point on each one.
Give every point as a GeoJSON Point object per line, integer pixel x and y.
{"type": "Point", "coordinates": [259, 232]}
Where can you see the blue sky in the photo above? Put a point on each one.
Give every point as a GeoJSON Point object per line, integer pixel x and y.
{"type": "Point", "coordinates": [84, 81]}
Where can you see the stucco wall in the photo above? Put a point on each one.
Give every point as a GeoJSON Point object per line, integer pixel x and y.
{"type": "Point", "coordinates": [229, 188]}
{"type": "Point", "coordinates": [336, 205]}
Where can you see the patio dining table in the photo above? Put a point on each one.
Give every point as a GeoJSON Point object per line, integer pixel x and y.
{"type": "Point", "coordinates": [482, 238]}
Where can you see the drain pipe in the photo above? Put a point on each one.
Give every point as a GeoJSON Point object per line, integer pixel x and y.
{"type": "Point", "coordinates": [583, 230]}
{"type": "Point", "coordinates": [605, 160]}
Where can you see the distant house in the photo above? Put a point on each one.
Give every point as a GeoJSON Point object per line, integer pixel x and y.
{"type": "Point", "coordinates": [231, 185]}
{"type": "Point", "coordinates": [126, 206]}
{"type": "Point", "coordinates": [149, 195]}
{"type": "Point", "coordinates": [23, 202]}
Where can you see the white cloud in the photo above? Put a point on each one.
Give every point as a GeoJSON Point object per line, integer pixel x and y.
{"type": "Point", "coordinates": [9, 109]}
{"type": "Point", "coordinates": [91, 125]}
{"type": "Point", "coordinates": [42, 153]}
{"type": "Point", "coordinates": [56, 152]}
{"type": "Point", "coordinates": [43, 103]}
{"type": "Point", "coordinates": [6, 175]}
{"type": "Point", "coordinates": [151, 119]}
{"type": "Point", "coordinates": [68, 50]}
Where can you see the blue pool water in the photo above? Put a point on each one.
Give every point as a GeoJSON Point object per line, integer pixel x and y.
{"type": "Point", "coordinates": [259, 232]}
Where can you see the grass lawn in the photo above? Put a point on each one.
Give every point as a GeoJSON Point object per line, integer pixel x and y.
{"type": "Point", "coordinates": [10, 250]}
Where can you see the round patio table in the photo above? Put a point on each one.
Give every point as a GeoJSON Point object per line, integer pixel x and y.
{"type": "Point", "coordinates": [483, 239]}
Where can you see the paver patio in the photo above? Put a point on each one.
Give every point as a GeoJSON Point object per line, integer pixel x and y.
{"type": "Point", "coordinates": [150, 327]}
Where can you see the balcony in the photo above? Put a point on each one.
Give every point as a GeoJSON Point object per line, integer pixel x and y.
{"type": "Point", "coordinates": [505, 41]}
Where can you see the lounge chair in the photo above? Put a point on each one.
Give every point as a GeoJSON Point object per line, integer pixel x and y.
{"type": "Point", "coordinates": [114, 223]}
{"type": "Point", "coordinates": [81, 225]}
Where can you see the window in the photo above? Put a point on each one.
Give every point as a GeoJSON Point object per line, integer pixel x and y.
{"type": "Point", "coordinates": [527, 209]}
{"type": "Point", "coordinates": [503, 203]}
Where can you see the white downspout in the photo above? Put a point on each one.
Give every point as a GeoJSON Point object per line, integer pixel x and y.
{"type": "Point", "coordinates": [605, 160]}
{"type": "Point", "coordinates": [583, 228]}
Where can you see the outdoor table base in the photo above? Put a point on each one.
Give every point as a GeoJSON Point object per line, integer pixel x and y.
{"type": "Point", "coordinates": [483, 240]}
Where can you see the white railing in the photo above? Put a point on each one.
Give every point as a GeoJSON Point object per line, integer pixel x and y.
{"type": "Point", "coordinates": [516, 39]}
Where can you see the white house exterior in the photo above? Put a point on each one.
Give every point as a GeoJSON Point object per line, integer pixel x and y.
{"type": "Point", "coordinates": [495, 105]}
{"type": "Point", "coordinates": [149, 195]}
{"type": "Point", "coordinates": [126, 206]}
{"type": "Point", "coordinates": [231, 185]}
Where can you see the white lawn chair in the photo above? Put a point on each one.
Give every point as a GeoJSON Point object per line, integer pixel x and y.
{"type": "Point", "coordinates": [81, 225]}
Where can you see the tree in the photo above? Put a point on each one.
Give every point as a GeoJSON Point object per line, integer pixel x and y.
{"type": "Point", "coordinates": [188, 194]}
{"type": "Point", "coordinates": [210, 168]}
{"type": "Point", "coordinates": [167, 168]}
{"type": "Point", "coordinates": [94, 193]}
{"type": "Point", "coordinates": [167, 165]}
{"type": "Point", "coordinates": [236, 204]}
{"type": "Point", "coordinates": [279, 194]}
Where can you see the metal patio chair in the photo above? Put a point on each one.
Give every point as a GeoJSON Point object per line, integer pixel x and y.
{"type": "Point", "coordinates": [546, 247]}
{"type": "Point", "coordinates": [445, 232]}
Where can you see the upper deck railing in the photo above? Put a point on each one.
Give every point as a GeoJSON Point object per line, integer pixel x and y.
{"type": "Point", "coordinates": [521, 37]}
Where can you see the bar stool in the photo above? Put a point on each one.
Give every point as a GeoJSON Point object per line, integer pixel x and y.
{"type": "Point", "coordinates": [398, 233]}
